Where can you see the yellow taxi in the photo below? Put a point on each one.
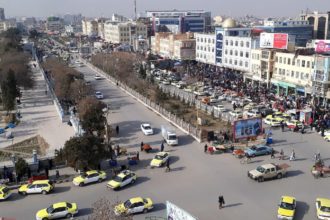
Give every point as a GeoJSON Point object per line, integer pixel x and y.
{"type": "Point", "coordinates": [134, 205]}
{"type": "Point", "coordinates": [58, 210]}
{"type": "Point", "coordinates": [323, 208]}
{"type": "Point", "coordinates": [91, 176]}
{"type": "Point", "coordinates": [287, 208]}
{"type": "Point", "coordinates": [124, 178]}
{"type": "Point", "coordinates": [159, 159]}
{"type": "Point", "coordinates": [38, 186]}
{"type": "Point", "coordinates": [5, 193]}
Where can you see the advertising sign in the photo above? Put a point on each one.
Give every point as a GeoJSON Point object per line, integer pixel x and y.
{"type": "Point", "coordinates": [274, 40]}
{"type": "Point", "coordinates": [246, 128]}
{"type": "Point", "coordinates": [173, 212]}
{"type": "Point", "coordinates": [322, 46]}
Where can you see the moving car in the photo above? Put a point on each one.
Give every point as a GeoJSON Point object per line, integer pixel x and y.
{"type": "Point", "coordinates": [98, 95]}
{"type": "Point", "coordinates": [89, 177]}
{"type": "Point", "coordinates": [258, 150]}
{"type": "Point", "coordinates": [38, 186]}
{"type": "Point", "coordinates": [159, 159]}
{"type": "Point", "coordinates": [286, 208]}
{"type": "Point", "coordinates": [97, 77]}
{"type": "Point", "coordinates": [58, 210]}
{"type": "Point", "coordinates": [5, 193]}
{"type": "Point", "coordinates": [323, 208]}
{"type": "Point", "coordinates": [124, 178]}
{"type": "Point", "coordinates": [147, 129]}
{"type": "Point", "coordinates": [134, 205]}
{"type": "Point", "coordinates": [268, 171]}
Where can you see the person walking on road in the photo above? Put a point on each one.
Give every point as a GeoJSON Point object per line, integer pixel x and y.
{"type": "Point", "coordinates": [117, 130]}
{"type": "Point", "coordinates": [282, 126]}
{"type": "Point", "coordinates": [272, 156]}
{"type": "Point", "coordinates": [141, 147]}
{"type": "Point", "coordinates": [292, 156]}
{"type": "Point", "coordinates": [168, 165]}
{"type": "Point", "coordinates": [221, 202]}
{"type": "Point", "coordinates": [281, 154]}
{"type": "Point", "coordinates": [162, 146]}
{"type": "Point", "coordinates": [205, 148]}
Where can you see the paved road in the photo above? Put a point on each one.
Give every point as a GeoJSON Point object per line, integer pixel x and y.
{"type": "Point", "coordinates": [197, 178]}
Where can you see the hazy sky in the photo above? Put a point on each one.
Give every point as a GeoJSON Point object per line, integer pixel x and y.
{"type": "Point", "coordinates": [261, 8]}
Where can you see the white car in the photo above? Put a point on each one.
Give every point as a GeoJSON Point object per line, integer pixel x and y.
{"type": "Point", "coordinates": [147, 129]}
{"type": "Point", "coordinates": [253, 113]}
{"type": "Point", "coordinates": [99, 95]}
{"type": "Point", "coordinates": [97, 77]}
{"type": "Point", "coordinates": [272, 122]}
{"type": "Point", "coordinates": [220, 108]}
{"type": "Point", "coordinates": [124, 178]}
{"type": "Point", "coordinates": [236, 114]}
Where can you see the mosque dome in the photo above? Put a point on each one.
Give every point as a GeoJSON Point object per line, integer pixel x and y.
{"type": "Point", "coordinates": [229, 23]}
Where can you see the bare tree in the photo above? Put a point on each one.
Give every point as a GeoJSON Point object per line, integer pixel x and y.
{"type": "Point", "coordinates": [103, 209]}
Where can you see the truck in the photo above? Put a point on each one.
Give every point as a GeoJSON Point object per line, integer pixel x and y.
{"type": "Point", "coordinates": [169, 135]}
{"type": "Point", "coordinates": [268, 171]}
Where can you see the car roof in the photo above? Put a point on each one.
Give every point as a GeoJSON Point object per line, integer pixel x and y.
{"type": "Point", "coordinates": [59, 204]}
{"type": "Point", "coordinates": [136, 199]}
{"type": "Point", "coordinates": [162, 153]}
{"type": "Point", "coordinates": [268, 165]}
{"type": "Point", "coordinates": [40, 181]}
{"type": "Point", "coordinates": [2, 187]}
{"type": "Point", "coordinates": [324, 201]}
{"type": "Point", "coordinates": [124, 173]}
{"type": "Point", "coordinates": [288, 199]}
{"type": "Point", "coordinates": [145, 124]}
{"type": "Point", "coordinates": [91, 172]}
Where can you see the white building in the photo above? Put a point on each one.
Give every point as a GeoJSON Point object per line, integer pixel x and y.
{"type": "Point", "coordinates": [6, 24]}
{"type": "Point", "coordinates": [205, 48]}
{"type": "Point", "coordinates": [89, 27]}
{"type": "Point", "coordinates": [118, 18]}
{"type": "Point", "coordinates": [124, 32]}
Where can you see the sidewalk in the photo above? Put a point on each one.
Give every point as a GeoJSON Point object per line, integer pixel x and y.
{"type": "Point", "coordinates": [39, 116]}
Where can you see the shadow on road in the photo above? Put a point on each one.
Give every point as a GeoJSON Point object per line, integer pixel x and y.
{"type": "Point", "coordinates": [300, 159]}
{"type": "Point", "coordinates": [61, 189]}
{"type": "Point", "coordinates": [292, 173]}
{"type": "Point", "coordinates": [174, 159]}
{"type": "Point", "coordinates": [233, 205]}
{"type": "Point", "coordinates": [255, 161]}
{"type": "Point", "coordinates": [185, 140]}
{"type": "Point", "coordinates": [302, 209]}
{"type": "Point", "coordinates": [159, 207]}
{"type": "Point", "coordinates": [85, 212]}
{"type": "Point", "coordinates": [14, 197]}
{"type": "Point", "coordinates": [177, 169]}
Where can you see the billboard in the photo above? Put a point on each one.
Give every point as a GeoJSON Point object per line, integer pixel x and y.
{"type": "Point", "coordinates": [173, 212]}
{"type": "Point", "coordinates": [274, 40]}
{"type": "Point", "coordinates": [322, 46]}
{"type": "Point", "coordinates": [246, 128]}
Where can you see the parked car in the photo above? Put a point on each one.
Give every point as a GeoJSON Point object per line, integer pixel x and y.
{"type": "Point", "coordinates": [253, 113]}
{"type": "Point", "coordinates": [124, 178]}
{"type": "Point", "coordinates": [97, 77]}
{"type": "Point", "coordinates": [236, 113]}
{"type": "Point", "coordinates": [272, 122]}
{"type": "Point", "coordinates": [258, 150]}
{"type": "Point", "coordinates": [98, 95]}
{"type": "Point", "coordinates": [58, 210]}
{"type": "Point", "coordinates": [322, 208]}
{"type": "Point", "coordinates": [5, 192]}
{"type": "Point", "coordinates": [39, 186]}
{"type": "Point", "coordinates": [286, 208]}
{"type": "Point", "coordinates": [92, 176]}
{"type": "Point", "coordinates": [134, 205]}
{"type": "Point", "coordinates": [159, 159]}
{"type": "Point", "coordinates": [147, 129]}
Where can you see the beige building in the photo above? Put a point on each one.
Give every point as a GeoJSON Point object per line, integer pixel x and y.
{"type": "Point", "coordinates": [261, 65]}
{"type": "Point", "coordinates": [174, 46]}
{"type": "Point", "coordinates": [54, 24]}
{"type": "Point", "coordinates": [6, 24]}
{"type": "Point", "coordinates": [124, 32]}
{"type": "Point", "coordinates": [90, 27]}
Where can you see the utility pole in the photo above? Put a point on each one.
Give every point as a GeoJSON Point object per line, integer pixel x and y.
{"type": "Point", "coordinates": [135, 10]}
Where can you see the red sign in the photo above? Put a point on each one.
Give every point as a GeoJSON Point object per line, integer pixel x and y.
{"type": "Point", "coordinates": [322, 46]}
{"type": "Point", "coordinates": [281, 41]}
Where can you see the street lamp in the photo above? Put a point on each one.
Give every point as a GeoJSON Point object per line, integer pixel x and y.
{"type": "Point", "coordinates": [13, 159]}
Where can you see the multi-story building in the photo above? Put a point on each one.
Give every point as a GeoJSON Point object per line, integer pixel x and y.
{"type": "Point", "coordinates": [124, 32]}
{"type": "Point", "coordinates": [29, 22]}
{"type": "Point", "coordinates": [72, 19]}
{"type": "Point", "coordinates": [118, 18]}
{"type": "Point", "coordinates": [89, 27]}
{"type": "Point", "coordinates": [8, 23]}
{"type": "Point", "coordinates": [321, 77]}
{"type": "Point", "coordinates": [174, 46]}
{"type": "Point", "coordinates": [234, 44]}
{"type": "Point", "coordinates": [320, 23]}
{"type": "Point", "coordinates": [299, 30]}
{"type": "Point", "coordinates": [179, 21]}
{"type": "Point", "coordinates": [54, 25]}
{"type": "Point", "coordinates": [100, 27]}
{"type": "Point", "coordinates": [205, 48]}
{"type": "Point", "coordinates": [2, 14]}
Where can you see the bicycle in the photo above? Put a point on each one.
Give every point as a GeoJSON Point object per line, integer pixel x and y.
{"type": "Point", "coordinates": [245, 160]}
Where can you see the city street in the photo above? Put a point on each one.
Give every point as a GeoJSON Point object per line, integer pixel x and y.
{"type": "Point", "coordinates": [196, 179]}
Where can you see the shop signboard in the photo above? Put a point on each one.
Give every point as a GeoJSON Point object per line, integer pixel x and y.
{"type": "Point", "coordinates": [274, 40]}
{"type": "Point", "coordinates": [322, 46]}
{"type": "Point", "coordinates": [173, 212]}
{"type": "Point", "coordinates": [247, 128]}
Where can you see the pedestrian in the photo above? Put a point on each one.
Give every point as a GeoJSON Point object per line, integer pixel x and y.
{"type": "Point", "coordinates": [57, 174]}
{"type": "Point", "coordinates": [137, 155]}
{"type": "Point", "coordinates": [141, 147]}
{"type": "Point", "coordinates": [205, 148]}
{"type": "Point", "coordinates": [293, 155]}
{"type": "Point", "coordinates": [281, 154]}
{"type": "Point", "coordinates": [117, 130]}
{"type": "Point", "coordinates": [162, 146]}
{"type": "Point", "coordinates": [272, 156]}
{"type": "Point", "coordinates": [118, 150]}
{"type": "Point", "coordinates": [221, 202]}
{"type": "Point", "coordinates": [282, 125]}
{"type": "Point", "coordinates": [168, 165]}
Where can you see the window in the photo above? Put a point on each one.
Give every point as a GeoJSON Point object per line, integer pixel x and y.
{"type": "Point", "coordinates": [293, 62]}
{"type": "Point", "coordinates": [292, 73]}
{"type": "Point", "coordinates": [303, 63]}
{"type": "Point", "coordinates": [226, 60]}
{"type": "Point", "coordinates": [236, 53]}
{"type": "Point", "coordinates": [231, 43]}
{"type": "Point", "coordinates": [241, 53]}
{"type": "Point", "coordinates": [212, 49]}
{"type": "Point", "coordinates": [284, 60]}
{"type": "Point", "coordinates": [240, 63]}
{"type": "Point", "coordinates": [230, 52]}
{"type": "Point", "coordinates": [298, 63]}
{"type": "Point", "coordinates": [212, 41]}
{"type": "Point", "coordinates": [307, 76]}
{"type": "Point", "coordinates": [236, 43]}
{"type": "Point", "coordinates": [226, 51]}
{"type": "Point", "coordinates": [235, 62]}
{"type": "Point", "coordinates": [209, 41]}
{"type": "Point", "coordinates": [227, 42]}
{"type": "Point", "coordinates": [289, 61]}
{"type": "Point", "coordinates": [280, 61]}
{"type": "Point", "coordinates": [230, 61]}
{"type": "Point", "coordinates": [276, 59]}
{"type": "Point", "coordinates": [308, 64]}
{"type": "Point", "coordinates": [297, 74]}
{"type": "Point", "coordinates": [241, 44]}
{"type": "Point", "coordinates": [197, 39]}
{"type": "Point", "coordinates": [247, 54]}
{"type": "Point", "coordinates": [247, 44]}
{"type": "Point", "coordinates": [301, 75]}
{"type": "Point", "coordinates": [246, 64]}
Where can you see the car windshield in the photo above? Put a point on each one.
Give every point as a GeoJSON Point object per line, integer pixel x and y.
{"type": "Point", "coordinates": [118, 179]}
{"type": "Point", "coordinates": [287, 206]}
{"type": "Point", "coordinates": [159, 157]}
{"type": "Point", "coordinates": [325, 209]}
{"type": "Point", "coordinates": [69, 205]}
{"type": "Point", "coordinates": [172, 137]}
{"type": "Point", "coordinates": [50, 209]}
{"type": "Point", "coordinates": [83, 175]}
{"type": "Point", "coordinates": [260, 169]}
{"type": "Point", "coordinates": [147, 127]}
{"type": "Point", "coordinates": [127, 204]}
